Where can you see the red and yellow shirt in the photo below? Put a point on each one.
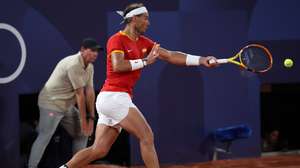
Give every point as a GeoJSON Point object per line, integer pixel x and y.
{"type": "Point", "coordinates": [132, 49]}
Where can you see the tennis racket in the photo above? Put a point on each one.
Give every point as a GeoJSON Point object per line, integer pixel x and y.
{"type": "Point", "coordinates": [254, 57]}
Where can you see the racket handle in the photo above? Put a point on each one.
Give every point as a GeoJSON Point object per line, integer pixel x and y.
{"type": "Point", "coordinates": [219, 61]}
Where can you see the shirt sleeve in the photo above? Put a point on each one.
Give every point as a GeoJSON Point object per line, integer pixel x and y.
{"type": "Point", "coordinates": [76, 76]}
{"type": "Point", "coordinates": [114, 44]}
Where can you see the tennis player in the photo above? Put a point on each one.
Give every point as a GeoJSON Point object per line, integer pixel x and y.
{"type": "Point", "coordinates": [128, 51]}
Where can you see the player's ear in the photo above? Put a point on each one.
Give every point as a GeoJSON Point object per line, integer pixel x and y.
{"type": "Point", "coordinates": [133, 19]}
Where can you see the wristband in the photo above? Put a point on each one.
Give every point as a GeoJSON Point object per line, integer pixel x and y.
{"type": "Point", "coordinates": [192, 60]}
{"type": "Point", "coordinates": [136, 64]}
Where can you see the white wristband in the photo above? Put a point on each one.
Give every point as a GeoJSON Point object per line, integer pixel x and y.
{"type": "Point", "coordinates": [136, 64]}
{"type": "Point", "coordinates": [192, 60]}
{"type": "Point", "coordinates": [144, 62]}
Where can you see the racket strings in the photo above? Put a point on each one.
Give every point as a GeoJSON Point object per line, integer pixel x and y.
{"type": "Point", "coordinates": [256, 59]}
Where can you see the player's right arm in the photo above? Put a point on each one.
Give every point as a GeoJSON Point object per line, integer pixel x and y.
{"type": "Point", "coordinates": [180, 58]}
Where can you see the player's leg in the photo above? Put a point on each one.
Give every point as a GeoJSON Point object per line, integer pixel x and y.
{"type": "Point", "coordinates": [105, 137]}
{"type": "Point", "coordinates": [136, 124]}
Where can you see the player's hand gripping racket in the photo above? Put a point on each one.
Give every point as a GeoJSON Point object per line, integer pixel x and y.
{"type": "Point", "coordinates": [253, 57]}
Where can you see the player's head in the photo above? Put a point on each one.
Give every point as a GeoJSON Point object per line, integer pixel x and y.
{"type": "Point", "coordinates": [137, 15]}
{"type": "Point", "coordinates": [89, 49]}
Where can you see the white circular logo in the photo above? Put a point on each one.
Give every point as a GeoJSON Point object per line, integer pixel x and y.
{"type": "Point", "coordinates": [15, 32]}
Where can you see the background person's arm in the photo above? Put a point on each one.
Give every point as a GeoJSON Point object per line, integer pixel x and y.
{"type": "Point", "coordinates": [81, 103]}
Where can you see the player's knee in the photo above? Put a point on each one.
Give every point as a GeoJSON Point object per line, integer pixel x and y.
{"type": "Point", "coordinates": [99, 151]}
{"type": "Point", "coordinates": [147, 139]}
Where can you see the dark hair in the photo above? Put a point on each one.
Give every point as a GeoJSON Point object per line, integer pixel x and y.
{"type": "Point", "coordinates": [129, 8]}
{"type": "Point", "coordinates": [91, 43]}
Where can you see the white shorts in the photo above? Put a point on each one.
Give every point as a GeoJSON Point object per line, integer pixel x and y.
{"type": "Point", "coordinates": [113, 107]}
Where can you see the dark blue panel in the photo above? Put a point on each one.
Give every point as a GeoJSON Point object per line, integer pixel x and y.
{"type": "Point", "coordinates": [275, 20]}
{"type": "Point", "coordinates": [183, 105]}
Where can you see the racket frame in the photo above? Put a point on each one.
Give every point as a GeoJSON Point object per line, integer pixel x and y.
{"type": "Point", "coordinates": [238, 55]}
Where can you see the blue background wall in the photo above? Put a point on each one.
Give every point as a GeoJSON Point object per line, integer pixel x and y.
{"type": "Point", "coordinates": [183, 105]}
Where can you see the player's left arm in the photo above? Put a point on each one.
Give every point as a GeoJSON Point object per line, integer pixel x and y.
{"type": "Point", "coordinates": [179, 58]}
